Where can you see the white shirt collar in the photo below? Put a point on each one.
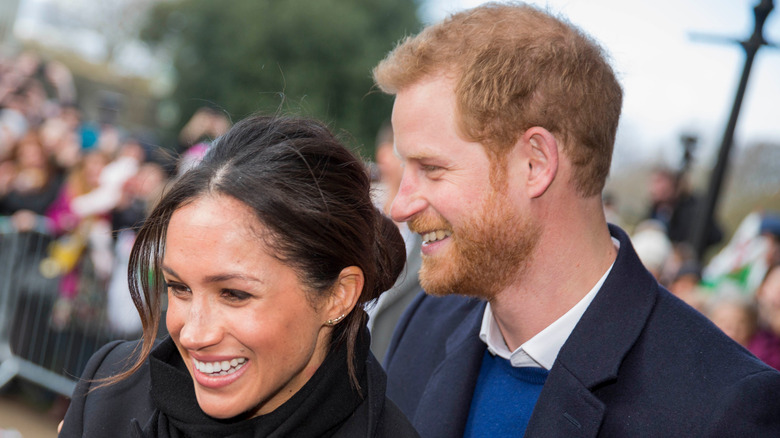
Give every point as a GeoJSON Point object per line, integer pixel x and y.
{"type": "Point", "coordinates": [541, 350]}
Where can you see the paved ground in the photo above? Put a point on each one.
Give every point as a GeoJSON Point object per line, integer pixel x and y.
{"type": "Point", "coordinates": [28, 415]}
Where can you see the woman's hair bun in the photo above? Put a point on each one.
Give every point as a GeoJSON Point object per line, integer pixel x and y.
{"type": "Point", "coordinates": [390, 253]}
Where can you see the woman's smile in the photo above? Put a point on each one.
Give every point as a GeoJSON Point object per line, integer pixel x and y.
{"type": "Point", "coordinates": [218, 374]}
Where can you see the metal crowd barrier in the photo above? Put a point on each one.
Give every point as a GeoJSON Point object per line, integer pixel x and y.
{"type": "Point", "coordinates": [43, 338]}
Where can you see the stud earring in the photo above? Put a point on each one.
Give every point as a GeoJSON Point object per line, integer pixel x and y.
{"type": "Point", "coordinates": [332, 322]}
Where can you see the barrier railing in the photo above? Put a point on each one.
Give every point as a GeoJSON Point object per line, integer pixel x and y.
{"type": "Point", "coordinates": [46, 338]}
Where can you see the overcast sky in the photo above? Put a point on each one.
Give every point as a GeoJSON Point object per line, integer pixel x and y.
{"type": "Point", "coordinates": [673, 83]}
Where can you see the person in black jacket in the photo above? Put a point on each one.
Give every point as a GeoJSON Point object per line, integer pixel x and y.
{"type": "Point", "coordinates": [268, 249]}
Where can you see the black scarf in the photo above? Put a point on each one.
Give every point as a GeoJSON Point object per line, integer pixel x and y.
{"type": "Point", "coordinates": [321, 406]}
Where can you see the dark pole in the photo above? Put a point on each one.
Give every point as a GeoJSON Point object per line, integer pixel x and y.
{"type": "Point", "coordinates": [702, 229]}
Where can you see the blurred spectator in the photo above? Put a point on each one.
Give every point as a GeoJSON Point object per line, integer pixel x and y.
{"type": "Point", "coordinates": [61, 138]}
{"type": "Point", "coordinates": [77, 233]}
{"type": "Point", "coordinates": [80, 181]}
{"type": "Point", "coordinates": [389, 166]}
{"type": "Point", "coordinates": [652, 246]}
{"type": "Point", "coordinates": [204, 126]}
{"type": "Point", "coordinates": [13, 122]}
{"type": "Point", "coordinates": [736, 316]}
{"type": "Point", "coordinates": [139, 195]}
{"type": "Point", "coordinates": [59, 76]}
{"type": "Point", "coordinates": [29, 183]}
{"type": "Point", "coordinates": [13, 125]}
{"type": "Point", "coordinates": [104, 197]}
{"type": "Point", "coordinates": [766, 343]}
{"type": "Point", "coordinates": [384, 314]}
{"type": "Point", "coordinates": [672, 204]}
{"type": "Point", "coordinates": [686, 285]}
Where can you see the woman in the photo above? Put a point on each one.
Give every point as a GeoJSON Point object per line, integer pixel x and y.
{"type": "Point", "coordinates": [29, 183]}
{"type": "Point", "coordinates": [268, 249]}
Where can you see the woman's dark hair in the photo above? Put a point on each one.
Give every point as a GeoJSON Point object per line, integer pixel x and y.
{"type": "Point", "coordinates": [313, 197]}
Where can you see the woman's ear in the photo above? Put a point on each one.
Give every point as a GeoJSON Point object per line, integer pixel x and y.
{"type": "Point", "coordinates": [345, 295]}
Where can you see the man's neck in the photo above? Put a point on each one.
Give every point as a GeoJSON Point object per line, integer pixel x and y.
{"type": "Point", "coordinates": [564, 269]}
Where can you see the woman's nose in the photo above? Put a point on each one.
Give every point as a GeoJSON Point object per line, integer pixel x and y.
{"type": "Point", "coordinates": [201, 327]}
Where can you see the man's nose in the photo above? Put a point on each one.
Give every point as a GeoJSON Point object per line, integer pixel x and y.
{"type": "Point", "coordinates": [409, 201]}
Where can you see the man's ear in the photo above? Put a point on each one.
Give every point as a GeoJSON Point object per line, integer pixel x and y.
{"type": "Point", "coordinates": [542, 158]}
{"type": "Point", "coordinates": [345, 294]}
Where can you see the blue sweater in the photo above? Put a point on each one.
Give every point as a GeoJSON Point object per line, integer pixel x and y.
{"type": "Point", "coordinates": [504, 398]}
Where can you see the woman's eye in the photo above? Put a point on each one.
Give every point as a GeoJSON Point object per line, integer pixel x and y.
{"type": "Point", "coordinates": [177, 288]}
{"type": "Point", "coordinates": [235, 295]}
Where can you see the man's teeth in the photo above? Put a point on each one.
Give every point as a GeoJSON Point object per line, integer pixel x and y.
{"type": "Point", "coordinates": [222, 368]}
{"type": "Point", "coordinates": [433, 236]}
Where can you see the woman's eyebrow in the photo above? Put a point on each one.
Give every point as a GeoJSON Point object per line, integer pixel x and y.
{"type": "Point", "coordinates": [219, 277]}
{"type": "Point", "coordinates": [231, 276]}
{"type": "Point", "coordinates": [170, 271]}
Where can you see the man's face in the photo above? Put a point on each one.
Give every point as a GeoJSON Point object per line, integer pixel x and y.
{"type": "Point", "coordinates": [476, 240]}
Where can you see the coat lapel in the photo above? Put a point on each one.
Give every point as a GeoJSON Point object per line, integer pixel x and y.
{"type": "Point", "coordinates": [565, 408]}
{"type": "Point", "coordinates": [445, 403]}
{"type": "Point", "coordinates": [593, 353]}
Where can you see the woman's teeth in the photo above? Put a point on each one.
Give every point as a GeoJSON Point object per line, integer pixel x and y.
{"type": "Point", "coordinates": [433, 236]}
{"type": "Point", "coordinates": [221, 368]}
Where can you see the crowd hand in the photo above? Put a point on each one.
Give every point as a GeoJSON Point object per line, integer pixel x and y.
{"type": "Point", "coordinates": [205, 123]}
{"type": "Point", "coordinates": [64, 253]}
{"type": "Point", "coordinates": [198, 126]}
{"type": "Point", "coordinates": [24, 220]}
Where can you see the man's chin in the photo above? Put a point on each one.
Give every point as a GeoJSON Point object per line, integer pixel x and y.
{"type": "Point", "coordinates": [437, 278]}
{"type": "Point", "coordinates": [444, 282]}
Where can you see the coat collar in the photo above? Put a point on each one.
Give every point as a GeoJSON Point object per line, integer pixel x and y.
{"type": "Point", "coordinates": [596, 348]}
{"type": "Point", "coordinates": [614, 320]}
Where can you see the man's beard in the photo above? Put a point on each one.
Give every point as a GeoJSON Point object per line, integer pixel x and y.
{"type": "Point", "coordinates": [485, 255]}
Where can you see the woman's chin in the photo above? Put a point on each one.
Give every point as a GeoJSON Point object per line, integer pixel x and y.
{"type": "Point", "coordinates": [220, 412]}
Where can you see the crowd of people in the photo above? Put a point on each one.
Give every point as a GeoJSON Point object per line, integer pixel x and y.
{"type": "Point", "coordinates": [81, 182]}
{"type": "Point", "coordinates": [85, 183]}
{"type": "Point", "coordinates": [736, 288]}
{"type": "Point", "coordinates": [537, 317]}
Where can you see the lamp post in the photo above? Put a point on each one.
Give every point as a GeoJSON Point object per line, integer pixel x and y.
{"type": "Point", "coordinates": [751, 46]}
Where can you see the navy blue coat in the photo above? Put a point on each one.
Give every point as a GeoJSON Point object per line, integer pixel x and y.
{"type": "Point", "coordinates": [640, 363]}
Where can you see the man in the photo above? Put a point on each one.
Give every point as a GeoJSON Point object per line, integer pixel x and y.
{"type": "Point", "coordinates": [539, 318]}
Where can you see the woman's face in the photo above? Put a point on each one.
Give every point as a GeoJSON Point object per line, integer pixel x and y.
{"type": "Point", "coordinates": [241, 319]}
{"type": "Point", "coordinates": [31, 155]}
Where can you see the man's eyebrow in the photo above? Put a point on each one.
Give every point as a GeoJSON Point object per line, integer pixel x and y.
{"type": "Point", "coordinates": [421, 155]}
